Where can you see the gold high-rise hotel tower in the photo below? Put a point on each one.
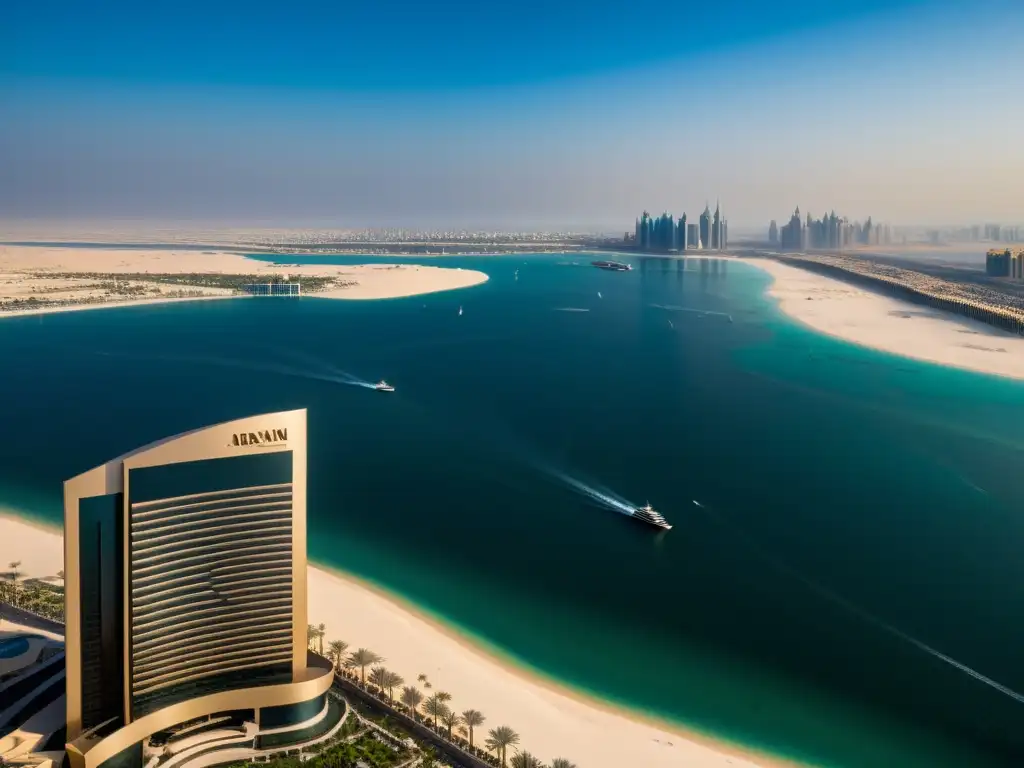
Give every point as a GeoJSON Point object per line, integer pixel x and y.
{"type": "Point", "coordinates": [185, 567]}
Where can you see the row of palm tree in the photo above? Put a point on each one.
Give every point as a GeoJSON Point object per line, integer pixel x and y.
{"type": "Point", "coordinates": [435, 707]}
{"type": "Point", "coordinates": [36, 597]}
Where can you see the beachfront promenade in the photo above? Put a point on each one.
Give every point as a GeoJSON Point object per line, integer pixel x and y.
{"type": "Point", "coordinates": [431, 724]}
{"type": "Point", "coordinates": [976, 302]}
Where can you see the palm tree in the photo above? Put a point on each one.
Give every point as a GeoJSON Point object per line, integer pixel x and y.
{"type": "Point", "coordinates": [421, 677]}
{"type": "Point", "coordinates": [336, 649]}
{"type": "Point", "coordinates": [378, 676]}
{"type": "Point", "coordinates": [310, 635]}
{"type": "Point", "coordinates": [472, 718]}
{"type": "Point", "coordinates": [450, 719]}
{"type": "Point", "coordinates": [321, 630]}
{"type": "Point", "coordinates": [443, 696]}
{"type": "Point", "coordinates": [501, 738]}
{"type": "Point", "coordinates": [391, 681]}
{"type": "Point", "coordinates": [435, 707]}
{"type": "Point", "coordinates": [14, 580]}
{"type": "Point", "coordinates": [525, 760]}
{"type": "Point", "coordinates": [60, 575]}
{"type": "Point", "coordinates": [412, 698]}
{"type": "Point", "coordinates": [561, 762]}
{"type": "Point", "coordinates": [362, 659]}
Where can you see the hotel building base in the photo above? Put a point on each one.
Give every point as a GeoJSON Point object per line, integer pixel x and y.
{"type": "Point", "coordinates": [185, 600]}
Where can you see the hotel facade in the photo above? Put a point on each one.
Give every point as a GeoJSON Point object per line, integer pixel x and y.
{"type": "Point", "coordinates": [185, 569]}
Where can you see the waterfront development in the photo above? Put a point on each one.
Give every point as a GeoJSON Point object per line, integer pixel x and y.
{"type": "Point", "coordinates": [1000, 308]}
{"type": "Point", "coordinates": [773, 594]}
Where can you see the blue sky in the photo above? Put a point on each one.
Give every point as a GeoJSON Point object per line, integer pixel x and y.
{"type": "Point", "coordinates": [529, 114]}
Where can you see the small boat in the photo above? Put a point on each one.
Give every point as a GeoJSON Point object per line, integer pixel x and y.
{"type": "Point", "coordinates": [383, 386]}
{"type": "Point", "coordinates": [614, 266]}
{"type": "Point", "coordinates": [460, 311]}
{"type": "Point", "coordinates": [599, 295]}
{"type": "Point", "coordinates": [649, 514]}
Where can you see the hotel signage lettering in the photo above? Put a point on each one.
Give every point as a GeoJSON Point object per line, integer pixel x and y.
{"type": "Point", "coordinates": [265, 437]}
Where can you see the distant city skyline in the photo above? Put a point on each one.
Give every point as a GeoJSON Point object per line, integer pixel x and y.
{"type": "Point", "coordinates": [491, 118]}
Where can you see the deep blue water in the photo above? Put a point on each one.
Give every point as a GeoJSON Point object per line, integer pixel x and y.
{"type": "Point", "coordinates": [858, 509]}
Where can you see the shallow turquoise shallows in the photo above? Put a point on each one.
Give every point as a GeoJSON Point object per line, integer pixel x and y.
{"type": "Point", "coordinates": [859, 528]}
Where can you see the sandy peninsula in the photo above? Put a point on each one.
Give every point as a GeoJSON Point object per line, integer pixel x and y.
{"type": "Point", "coordinates": [872, 320]}
{"type": "Point", "coordinates": [552, 721]}
{"type": "Point", "coordinates": [42, 279]}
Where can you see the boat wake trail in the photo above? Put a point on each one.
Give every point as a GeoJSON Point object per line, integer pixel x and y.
{"type": "Point", "coordinates": [674, 308]}
{"type": "Point", "coordinates": [480, 431]}
{"type": "Point", "coordinates": [330, 374]}
{"type": "Point", "coordinates": [823, 591]}
{"type": "Point", "coordinates": [327, 371]}
{"type": "Point", "coordinates": [571, 309]}
{"type": "Point", "coordinates": [600, 497]}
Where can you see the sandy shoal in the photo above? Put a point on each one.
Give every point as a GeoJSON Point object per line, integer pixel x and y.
{"type": "Point", "coordinates": [872, 320]}
{"type": "Point", "coordinates": [552, 721]}
{"type": "Point", "coordinates": [36, 264]}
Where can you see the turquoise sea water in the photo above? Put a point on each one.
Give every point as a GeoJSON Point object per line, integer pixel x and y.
{"type": "Point", "coordinates": [860, 511]}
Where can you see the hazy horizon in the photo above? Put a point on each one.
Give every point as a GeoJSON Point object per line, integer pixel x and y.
{"type": "Point", "coordinates": [549, 118]}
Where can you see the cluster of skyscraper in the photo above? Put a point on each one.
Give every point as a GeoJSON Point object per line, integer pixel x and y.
{"type": "Point", "coordinates": [996, 233]}
{"type": "Point", "coordinates": [1001, 233]}
{"type": "Point", "coordinates": [829, 232]}
{"type": "Point", "coordinates": [1005, 262]}
{"type": "Point", "coordinates": [664, 233]}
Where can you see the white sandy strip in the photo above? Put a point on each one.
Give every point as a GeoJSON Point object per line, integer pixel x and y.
{"type": "Point", "coordinates": [552, 722]}
{"type": "Point", "coordinates": [383, 281]}
{"type": "Point", "coordinates": [108, 305]}
{"type": "Point", "coordinates": [901, 328]}
{"type": "Point", "coordinates": [373, 281]}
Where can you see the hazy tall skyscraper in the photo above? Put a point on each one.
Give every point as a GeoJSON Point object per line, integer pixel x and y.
{"type": "Point", "coordinates": [681, 240]}
{"type": "Point", "coordinates": [705, 227]}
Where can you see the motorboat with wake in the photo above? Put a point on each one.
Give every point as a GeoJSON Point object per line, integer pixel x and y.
{"type": "Point", "coordinates": [613, 266]}
{"type": "Point", "coordinates": [383, 386]}
{"type": "Point", "coordinates": [651, 516]}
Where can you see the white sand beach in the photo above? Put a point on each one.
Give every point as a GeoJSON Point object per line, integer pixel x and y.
{"type": "Point", "coordinates": [69, 275]}
{"type": "Point", "coordinates": [552, 722]}
{"type": "Point", "coordinates": [879, 322]}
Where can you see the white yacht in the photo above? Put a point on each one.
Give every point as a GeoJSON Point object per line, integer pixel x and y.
{"type": "Point", "coordinates": [650, 515]}
{"type": "Point", "coordinates": [383, 386]}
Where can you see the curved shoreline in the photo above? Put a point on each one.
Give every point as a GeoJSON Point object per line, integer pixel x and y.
{"type": "Point", "coordinates": [566, 720]}
{"type": "Point", "coordinates": [491, 654]}
{"type": "Point", "coordinates": [70, 274]}
{"type": "Point", "coordinates": [883, 324]}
